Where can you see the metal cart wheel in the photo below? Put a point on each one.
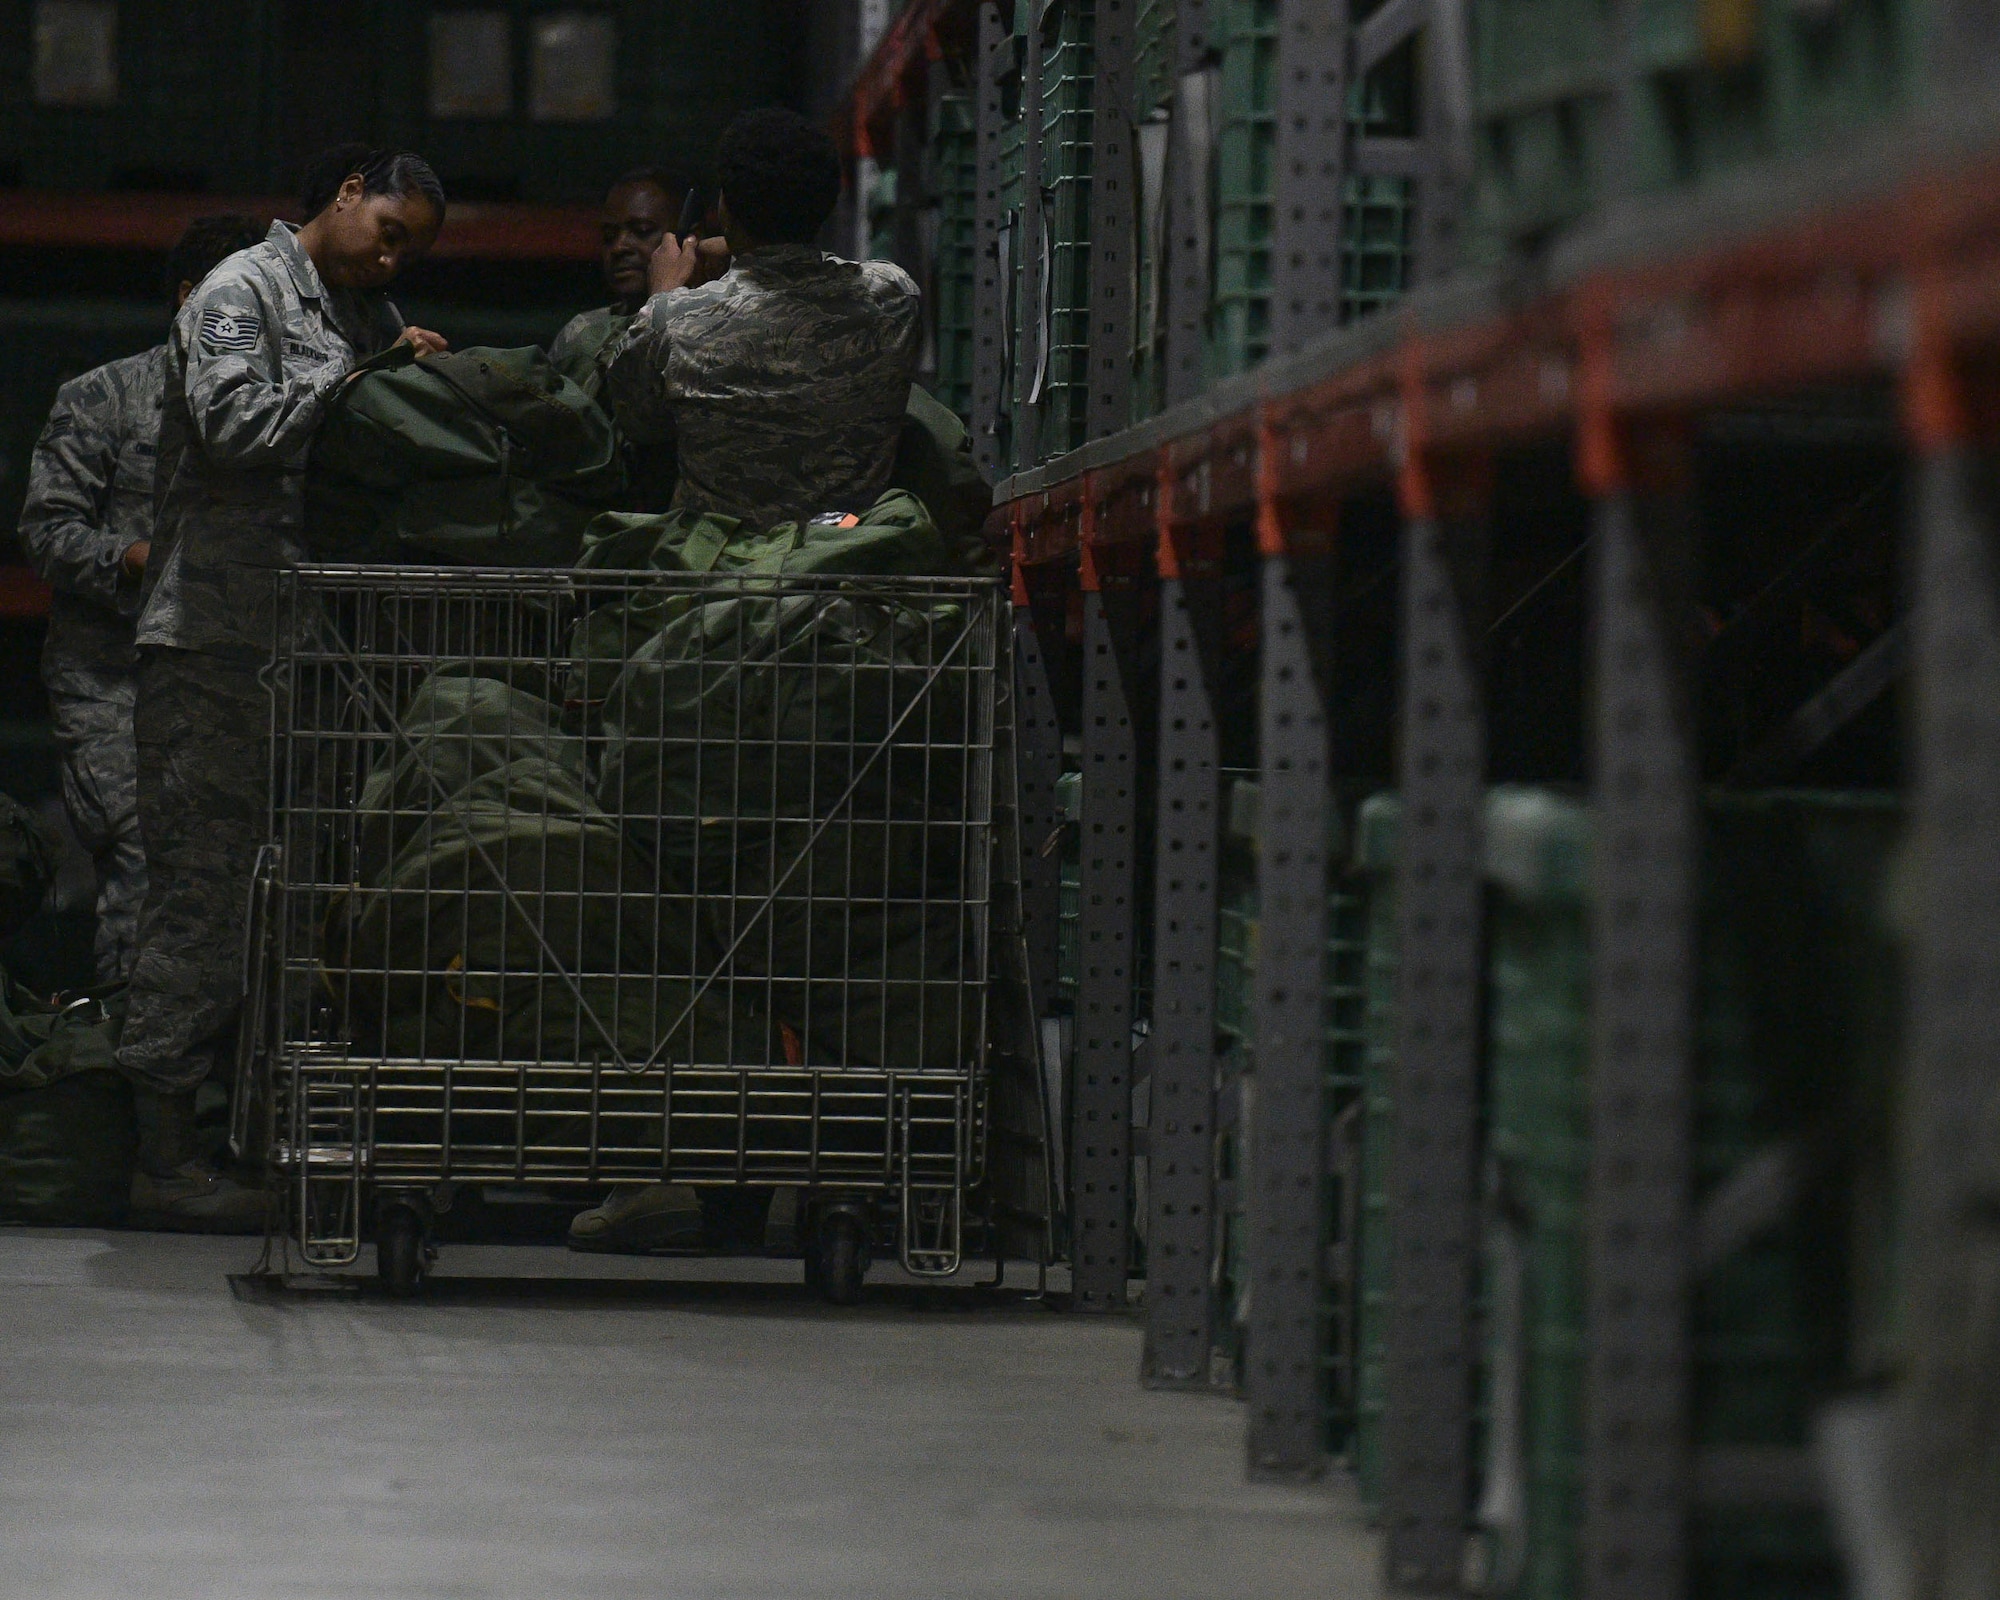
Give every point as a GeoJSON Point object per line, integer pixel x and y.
{"type": "Point", "coordinates": [837, 1262]}
{"type": "Point", "coordinates": [402, 1253]}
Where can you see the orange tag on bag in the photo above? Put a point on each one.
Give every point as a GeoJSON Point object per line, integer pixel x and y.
{"type": "Point", "coordinates": [849, 521]}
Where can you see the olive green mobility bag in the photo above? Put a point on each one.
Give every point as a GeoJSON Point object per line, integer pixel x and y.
{"type": "Point", "coordinates": [476, 457]}
{"type": "Point", "coordinates": [67, 1137]}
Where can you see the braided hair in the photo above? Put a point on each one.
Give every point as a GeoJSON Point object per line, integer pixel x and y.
{"type": "Point", "coordinates": [396, 172]}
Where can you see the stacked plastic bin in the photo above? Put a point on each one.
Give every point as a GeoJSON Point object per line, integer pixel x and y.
{"type": "Point", "coordinates": [1346, 1045]}
{"type": "Point", "coordinates": [1708, 84]}
{"type": "Point", "coordinates": [1068, 83]}
{"type": "Point", "coordinates": [1795, 1029]}
{"type": "Point", "coordinates": [954, 159]}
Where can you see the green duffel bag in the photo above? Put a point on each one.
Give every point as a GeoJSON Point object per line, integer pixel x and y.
{"type": "Point", "coordinates": [497, 914]}
{"type": "Point", "coordinates": [67, 1137]}
{"type": "Point", "coordinates": [29, 853]}
{"type": "Point", "coordinates": [934, 462]}
{"type": "Point", "coordinates": [477, 457]}
{"type": "Point", "coordinates": [895, 537]}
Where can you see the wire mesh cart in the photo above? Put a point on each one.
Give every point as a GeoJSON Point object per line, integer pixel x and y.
{"type": "Point", "coordinates": [582, 878]}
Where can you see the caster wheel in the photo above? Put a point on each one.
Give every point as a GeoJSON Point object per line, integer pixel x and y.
{"type": "Point", "coordinates": [401, 1254]}
{"type": "Point", "coordinates": [842, 1254]}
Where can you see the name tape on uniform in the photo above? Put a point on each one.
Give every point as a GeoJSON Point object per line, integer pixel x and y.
{"type": "Point", "coordinates": [230, 330]}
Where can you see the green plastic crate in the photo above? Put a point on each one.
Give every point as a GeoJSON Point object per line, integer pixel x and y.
{"type": "Point", "coordinates": [954, 158]}
{"type": "Point", "coordinates": [1069, 892]}
{"type": "Point", "coordinates": [1236, 912]}
{"type": "Point", "coordinates": [1013, 153]}
{"type": "Point", "coordinates": [881, 201]}
{"type": "Point", "coordinates": [1712, 86]}
{"type": "Point", "coordinates": [1794, 1015]}
{"type": "Point", "coordinates": [1155, 36]}
{"type": "Point", "coordinates": [1346, 1037]}
{"type": "Point", "coordinates": [1154, 77]}
{"type": "Point", "coordinates": [1068, 67]}
{"type": "Point", "coordinates": [1246, 141]}
{"type": "Point", "coordinates": [1377, 214]}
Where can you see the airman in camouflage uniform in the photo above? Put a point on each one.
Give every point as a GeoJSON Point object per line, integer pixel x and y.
{"type": "Point", "coordinates": [577, 347]}
{"type": "Point", "coordinates": [90, 505]}
{"type": "Point", "coordinates": [255, 356]}
{"type": "Point", "coordinates": [638, 211]}
{"type": "Point", "coordinates": [87, 525]}
{"type": "Point", "coordinates": [782, 384]}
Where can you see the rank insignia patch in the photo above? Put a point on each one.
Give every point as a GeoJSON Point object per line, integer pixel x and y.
{"type": "Point", "coordinates": [229, 331]}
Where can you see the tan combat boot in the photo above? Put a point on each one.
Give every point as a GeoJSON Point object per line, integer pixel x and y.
{"type": "Point", "coordinates": [176, 1190]}
{"type": "Point", "coordinates": [638, 1219]}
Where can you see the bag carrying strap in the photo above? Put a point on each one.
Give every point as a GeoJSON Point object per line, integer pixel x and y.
{"type": "Point", "coordinates": [704, 547]}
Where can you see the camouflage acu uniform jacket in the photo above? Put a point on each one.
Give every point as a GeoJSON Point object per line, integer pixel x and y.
{"type": "Point", "coordinates": [782, 383]}
{"type": "Point", "coordinates": [575, 351]}
{"type": "Point", "coordinates": [255, 355]}
{"type": "Point", "coordinates": [90, 499]}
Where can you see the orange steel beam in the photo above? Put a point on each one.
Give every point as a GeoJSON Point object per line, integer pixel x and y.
{"type": "Point", "coordinates": [1827, 298]}
{"type": "Point", "coordinates": [50, 219]}
{"type": "Point", "coordinates": [922, 32]}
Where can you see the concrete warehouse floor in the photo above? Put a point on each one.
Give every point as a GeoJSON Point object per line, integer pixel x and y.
{"type": "Point", "coordinates": [164, 1436]}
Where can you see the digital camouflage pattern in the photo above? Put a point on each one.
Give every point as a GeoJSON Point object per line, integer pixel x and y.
{"type": "Point", "coordinates": [89, 500]}
{"type": "Point", "coordinates": [651, 472]}
{"type": "Point", "coordinates": [202, 732]}
{"type": "Point", "coordinates": [583, 338]}
{"type": "Point", "coordinates": [254, 357]}
{"type": "Point", "coordinates": [782, 384]}
{"type": "Point", "coordinates": [100, 787]}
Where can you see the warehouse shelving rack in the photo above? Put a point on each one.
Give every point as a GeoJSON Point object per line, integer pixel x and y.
{"type": "Point", "coordinates": [1882, 271]}
{"type": "Point", "coordinates": [1784, 279]}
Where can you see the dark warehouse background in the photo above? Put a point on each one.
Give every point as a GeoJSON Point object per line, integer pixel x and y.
{"type": "Point", "coordinates": [120, 119]}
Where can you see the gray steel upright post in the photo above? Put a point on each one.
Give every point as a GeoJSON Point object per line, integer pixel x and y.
{"type": "Point", "coordinates": [1037, 766]}
{"type": "Point", "coordinates": [1644, 863]}
{"type": "Point", "coordinates": [1101, 1097]}
{"type": "Point", "coordinates": [1113, 235]}
{"type": "Point", "coordinates": [1426, 1427]}
{"type": "Point", "coordinates": [1947, 1468]}
{"type": "Point", "coordinates": [1030, 284]}
{"type": "Point", "coordinates": [1180, 1306]}
{"type": "Point", "coordinates": [1284, 1201]}
{"type": "Point", "coordinates": [989, 352]}
{"type": "Point", "coordinates": [1309, 179]}
{"type": "Point", "coordinates": [1190, 147]}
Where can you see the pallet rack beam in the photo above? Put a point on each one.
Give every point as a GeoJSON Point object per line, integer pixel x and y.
{"type": "Point", "coordinates": [1440, 903]}
{"type": "Point", "coordinates": [1284, 1201]}
{"type": "Point", "coordinates": [1180, 1302]}
{"type": "Point", "coordinates": [39, 219]}
{"type": "Point", "coordinates": [1644, 873]}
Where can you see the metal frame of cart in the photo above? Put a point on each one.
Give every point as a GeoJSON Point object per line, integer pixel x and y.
{"type": "Point", "coordinates": [578, 878]}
